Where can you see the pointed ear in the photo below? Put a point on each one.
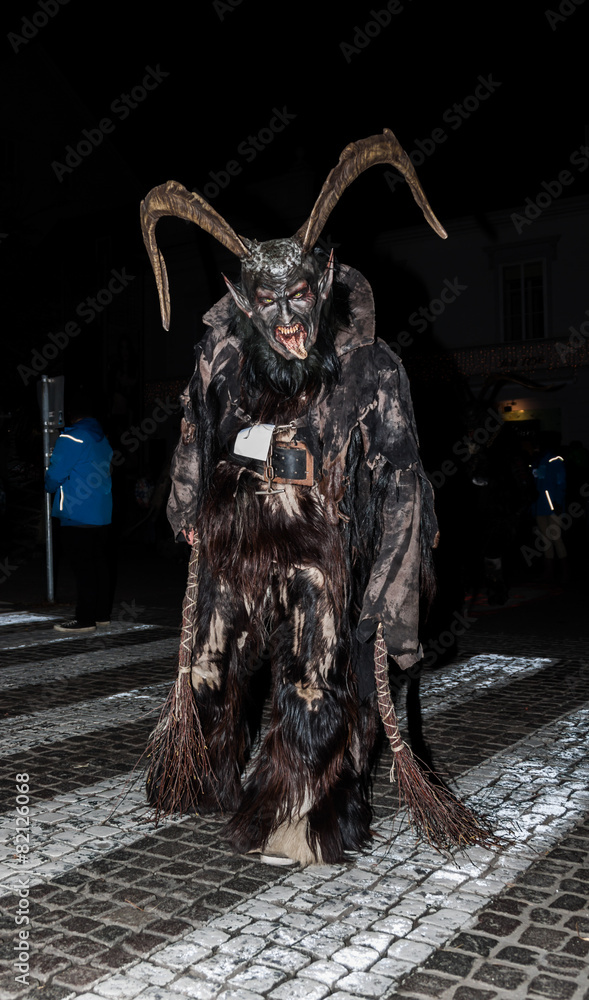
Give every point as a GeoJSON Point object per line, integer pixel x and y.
{"type": "Point", "coordinates": [239, 298]}
{"type": "Point", "coordinates": [326, 280]}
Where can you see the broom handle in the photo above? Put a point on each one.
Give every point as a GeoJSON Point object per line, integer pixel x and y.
{"type": "Point", "coordinates": [383, 691]}
{"type": "Point", "coordinates": [189, 612]}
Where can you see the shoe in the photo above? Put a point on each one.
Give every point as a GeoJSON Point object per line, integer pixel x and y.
{"type": "Point", "coordinates": [105, 622]}
{"type": "Point", "coordinates": [73, 626]}
{"type": "Point", "coordinates": [271, 858]}
{"type": "Point", "coordinates": [274, 858]}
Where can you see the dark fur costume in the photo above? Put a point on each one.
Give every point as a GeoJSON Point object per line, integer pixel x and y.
{"type": "Point", "coordinates": [305, 575]}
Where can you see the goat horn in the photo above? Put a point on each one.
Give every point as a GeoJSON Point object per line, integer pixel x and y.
{"type": "Point", "coordinates": [357, 157]}
{"type": "Point", "coordinates": [173, 199]}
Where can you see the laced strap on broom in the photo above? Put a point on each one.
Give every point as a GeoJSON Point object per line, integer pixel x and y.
{"type": "Point", "coordinates": [434, 811]}
{"type": "Point", "coordinates": [177, 750]}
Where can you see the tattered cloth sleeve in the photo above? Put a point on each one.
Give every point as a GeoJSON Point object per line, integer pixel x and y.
{"type": "Point", "coordinates": [212, 416]}
{"type": "Point", "coordinates": [186, 469]}
{"type": "Point", "coordinates": [392, 594]}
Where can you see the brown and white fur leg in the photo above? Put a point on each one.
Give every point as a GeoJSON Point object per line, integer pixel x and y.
{"type": "Point", "coordinates": [226, 639]}
{"type": "Point", "coordinates": [304, 797]}
{"type": "Point", "coordinates": [289, 842]}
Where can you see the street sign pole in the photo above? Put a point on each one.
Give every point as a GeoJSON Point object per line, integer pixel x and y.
{"type": "Point", "coordinates": [51, 420]}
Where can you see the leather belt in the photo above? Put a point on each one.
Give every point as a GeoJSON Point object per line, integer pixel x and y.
{"type": "Point", "coordinates": [287, 465]}
{"type": "Point", "coordinates": [292, 464]}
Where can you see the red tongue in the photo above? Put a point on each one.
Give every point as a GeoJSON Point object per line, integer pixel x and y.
{"type": "Point", "coordinates": [294, 342]}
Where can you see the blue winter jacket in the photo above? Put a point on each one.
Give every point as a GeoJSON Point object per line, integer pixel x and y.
{"type": "Point", "coordinates": [79, 475]}
{"type": "Point", "coordinates": [550, 476]}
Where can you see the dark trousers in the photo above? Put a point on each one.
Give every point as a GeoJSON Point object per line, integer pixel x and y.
{"type": "Point", "coordinates": [86, 548]}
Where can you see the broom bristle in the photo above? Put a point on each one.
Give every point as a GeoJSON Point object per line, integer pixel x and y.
{"type": "Point", "coordinates": [178, 754]}
{"type": "Point", "coordinates": [436, 813]}
{"type": "Point", "coordinates": [433, 809]}
{"type": "Point", "coordinates": [177, 748]}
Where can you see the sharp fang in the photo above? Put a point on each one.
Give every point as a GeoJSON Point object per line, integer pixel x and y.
{"type": "Point", "coordinates": [295, 332]}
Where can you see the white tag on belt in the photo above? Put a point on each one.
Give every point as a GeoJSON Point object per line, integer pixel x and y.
{"type": "Point", "coordinates": [254, 442]}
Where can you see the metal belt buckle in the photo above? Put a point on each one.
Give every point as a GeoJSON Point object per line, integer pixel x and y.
{"type": "Point", "coordinates": [292, 464]}
{"type": "Point", "coordinates": [268, 477]}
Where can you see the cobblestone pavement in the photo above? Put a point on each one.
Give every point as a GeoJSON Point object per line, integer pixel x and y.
{"type": "Point", "coordinates": [117, 908]}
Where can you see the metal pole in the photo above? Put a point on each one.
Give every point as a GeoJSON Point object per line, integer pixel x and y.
{"type": "Point", "coordinates": [46, 458]}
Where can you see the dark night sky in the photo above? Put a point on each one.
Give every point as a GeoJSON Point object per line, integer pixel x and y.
{"type": "Point", "coordinates": [227, 69]}
{"type": "Point", "coordinates": [225, 76]}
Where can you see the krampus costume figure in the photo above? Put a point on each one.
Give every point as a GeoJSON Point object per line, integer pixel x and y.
{"type": "Point", "coordinates": [298, 481]}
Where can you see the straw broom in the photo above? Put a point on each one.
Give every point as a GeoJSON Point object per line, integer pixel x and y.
{"type": "Point", "coordinates": [176, 748]}
{"type": "Point", "coordinates": [434, 810]}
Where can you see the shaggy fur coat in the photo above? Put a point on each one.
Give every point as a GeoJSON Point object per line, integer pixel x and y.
{"type": "Point", "coordinates": [363, 439]}
{"type": "Point", "coordinates": [308, 572]}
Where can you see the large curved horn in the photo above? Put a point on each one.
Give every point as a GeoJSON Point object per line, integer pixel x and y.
{"type": "Point", "coordinates": [173, 199]}
{"type": "Point", "coordinates": [356, 158]}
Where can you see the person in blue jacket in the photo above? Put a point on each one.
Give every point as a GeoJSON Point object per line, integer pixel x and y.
{"type": "Point", "coordinates": [80, 476]}
{"type": "Point", "coordinates": [550, 476]}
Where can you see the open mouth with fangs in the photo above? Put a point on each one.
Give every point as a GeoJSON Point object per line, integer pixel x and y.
{"type": "Point", "coordinates": [293, 338]}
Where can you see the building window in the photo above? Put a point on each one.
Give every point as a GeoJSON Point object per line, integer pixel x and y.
{"type": "Point", "coordinates": [523, 301]}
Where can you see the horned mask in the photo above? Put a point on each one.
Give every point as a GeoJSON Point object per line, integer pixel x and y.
{"type": "Point", "coordinates": [283, 286]}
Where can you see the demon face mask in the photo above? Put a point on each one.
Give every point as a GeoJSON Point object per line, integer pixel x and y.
{"type": "Point", "coordinates": [283, 287]}
{"type": "Point", "coordinates": [283, 294]}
